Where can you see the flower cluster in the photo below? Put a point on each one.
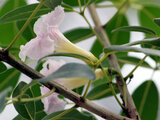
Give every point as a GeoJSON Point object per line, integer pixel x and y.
{"type": "Point", "coordinates": [48, 40]}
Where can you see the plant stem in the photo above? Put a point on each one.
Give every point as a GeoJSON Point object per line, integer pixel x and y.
{"type": "Point", "coordinates": [30, 99]}
{"type": "Point", "coordinates": [140, 62]}
{"type": "Point", "coordinates": [111, 86]}
{"type": "Point", "coordinates": [130, 110]}
{"type": "Point", "coordinates": [63, 113]}
{"type": "Point", "coordinates": [77, 99]}
{"type": "Point", "coordinates": [25, 25]}
{"type": "Point", "coordinates": [86, 91]}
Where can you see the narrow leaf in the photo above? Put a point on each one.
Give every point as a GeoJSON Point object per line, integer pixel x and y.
{"type": "Point", "coordinates": [152, 41]}
{"type": "Point", "coordinates": [146, 99]}
{"type": "Point", "coordinates": [3, 95]}
{"type": "Point", "coordinates": [116, 48]}
{"type": "Point", "coordinates": [78, 34]}
{"type": "Point", "coordinates": [27, 109]}
{"type": "Point", "coordinates": [22, 13]}
{"type": "Point", "coordinates": [136, 29]}
{"type": "Point", "coordinates": [101, 91]}
{"type": "Point", "coordinates": [133, 60]}
{"type": "Point", "coordinates": [146, 16]}
{"type": "Point", "coordinates": [68, 55]}
{"type": "Point", "coordinates": [71, 70]}
{"type": "Point", "coordinates": [2, 67]}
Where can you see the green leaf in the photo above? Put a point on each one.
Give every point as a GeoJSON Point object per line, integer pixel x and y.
{"type": "Point", "coordinates": [119, 37]}
{"type": "Point", "coordinates": [19, 117]}
{"type": "Point", "coordinates": [73, 115]}
{"type": "Point", "coordinates": [22, 13]}
{"type": "Point", "coordinates": [101, 91]}
{"type": "Point", "coordinates": [52, 3]}
{"type": "Point", "coordinates": [146, 16]}
{"type": "Point", "coordinates": [147, 2]}
{"type": "Point", "coordinates": [68, 55]}
{"type": "Point", "coordinates": [136, 29]}
{"type": "Point", "coordinates": [96, 49]}
{"type": "Point", "coordinates": [39, 105]}
{"type": "Point", "coordinates": [146, 98]}
{"type": "Point", "coordinates": [9, 78]}
{"type": "Point", "coordinates": [71, 70]}
{"type": "Point", "coordinates": [157, 21]}
{"type": "Point", "coordinates": [122, 48]}
{"type": "Point", "coordinates": [133, 60]}
{"type": "Point", "coordinates": [27, 109]}
{"type": "Point", "coordinates": [74, 3]}
{"type": "Point", "coordinates": [28, 33]}
{"type": "Point", "coordinates": [152, 41]}
{"type": "Point", "coordinates": [3, 95]}
{"type": "Point", "coordinates": [2, 67]}
{"type": "Point", "coordinates": [78, 34]}
{"type": "Point", "coordinates": [8, 31]}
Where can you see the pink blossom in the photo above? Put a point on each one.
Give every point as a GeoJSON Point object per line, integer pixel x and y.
{"type": "Point", "coordinates": [52, 103]}
{"type": "Point", "coordinates": [49, 39]}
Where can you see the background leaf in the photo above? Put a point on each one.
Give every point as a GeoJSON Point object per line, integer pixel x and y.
{"type": "Point", "coordinates": [146, 16]}
{"type": "Point", "coordinates": [9, 30]}
{"type": "Point", "coordinates": [28, 33]}
{"type": "Point", "coordinates": [71, 70]}
{"type": "Point", "coordinates": [78, 34]}
{"type": "Point", "coordinates": [3, 95]}
{"type": "Point", "coordinates": [73, 115]}
{"type": "Point", "coordinates": [2, 67]}
{"type": "Point", "coordinates": [146, 99]}
{"type": "Point", "coordinates": [101, 91]}
{"type": "Point", "coordinates": [22, 13]}
{"type": "Point", "coordinates": [9, 78]}
{"type": "Point", "coordinates": [135, 29]}
{"type": "Point", "coordinates": [27, 109]}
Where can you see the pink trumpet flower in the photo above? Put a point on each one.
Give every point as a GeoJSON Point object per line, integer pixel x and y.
{"type": "Point", "coordinates": [49, 39]}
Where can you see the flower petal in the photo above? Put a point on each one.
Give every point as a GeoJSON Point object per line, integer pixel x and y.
{"type": "Point", "coordinates": [72, 83]}
{"type": "Point", "coordinates": [40, 27]}
{"type": "Point", "coordinates": [51, 66]}
{"type": "Point", "coordinates": [52, 103]}
{"type": "Point", "coordinates": [54, 18]}
{"type": "Point", "coordinates": [37, 48]}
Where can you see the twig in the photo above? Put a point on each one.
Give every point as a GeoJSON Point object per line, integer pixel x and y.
{"type": "Point", "coordinates": [130, 110]}
{"type": "Point", "coordinates": [76, 98]}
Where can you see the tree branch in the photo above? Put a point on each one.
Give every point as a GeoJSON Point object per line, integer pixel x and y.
{"type": "Point", "coordinates": [130, 108]}
{"type": "Point", "coordinates": [76, 98]}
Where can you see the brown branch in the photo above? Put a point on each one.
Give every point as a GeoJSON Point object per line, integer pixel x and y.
{"type": "Point", "coordinates": [130, 108]}
{"type": "Point", "coordinates": [76, 98]}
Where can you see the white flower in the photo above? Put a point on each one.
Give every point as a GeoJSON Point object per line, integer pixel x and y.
{"type": "Point", "coordinates": [52, 103]}
{"type": "Point", "coordinates": [49, 39]}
